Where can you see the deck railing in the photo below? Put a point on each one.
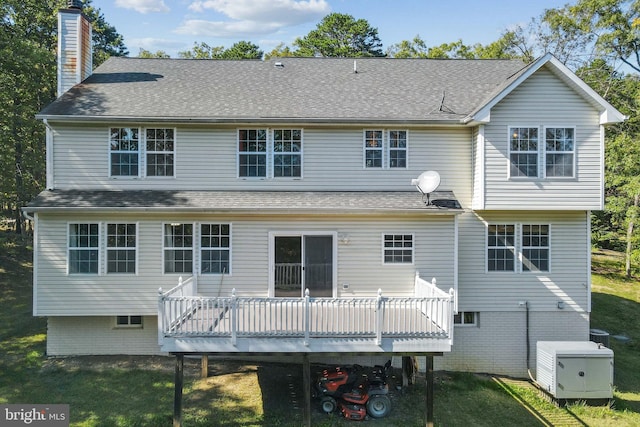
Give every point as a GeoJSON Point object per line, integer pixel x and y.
{"type": "Point", "coordinates": [307, 318]}
{"type": "Point", "coordinates": [168, 317]}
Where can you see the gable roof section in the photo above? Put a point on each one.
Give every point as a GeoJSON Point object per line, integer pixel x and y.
{"type": "Point", "coordinates": [608, 114]}
{"type": "Point", "coordinates": [320, 90]}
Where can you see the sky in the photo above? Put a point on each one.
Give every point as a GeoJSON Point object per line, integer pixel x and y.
{"type": "Point", "coordinates": [175, 25]}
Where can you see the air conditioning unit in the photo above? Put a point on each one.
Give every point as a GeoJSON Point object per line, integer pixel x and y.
{"type": "Point", "coordinates": [575, 369]}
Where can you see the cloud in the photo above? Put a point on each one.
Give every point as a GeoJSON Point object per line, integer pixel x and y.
{"type": "Point", "coordinates": [284, 12]}
{"type": "Point", "coordinates": [198, 27]}
{"type": "Point", "coordinates": [153, 44]}
{"type": "Point", "coordinates": [143, 6]}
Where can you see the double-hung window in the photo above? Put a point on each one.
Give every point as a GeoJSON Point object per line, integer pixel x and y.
{"type": "Point", "coordinates": [397, 248]}
{"type": "Point", "coordinates": [178, 248]}
{"type": "Point", "coordinates": [385, 149]}
{"type": "Point", "coordinates": [397, 148]}
{"type": "Point", "coordinates": [269, 153]}
{"type": "Point", "coordinates": [84, 244]}
{"type": "Point", "coordinates": [501, 241]}
{"type": "Point", "coordinates": [547, 155]}
{"type": "Point", "coordinates": [252, 153]}
{"type": "Point", "coordinates": [135, 152]}
{"type": "Point", "coordinates": [373, 148]}
{"type": "Point", "coordinates": [124, 146]}
{"type": "Point", "coordinates": [535, 247]}
{"type": "Point", "coordinates": [527, 243]}
{"type": "Point", "coordinates": [121, 248]}
{"type": "Point", "coordinates": [287, 153]}
{"type": "Point", "coordinates": [160, 145]}
{"type": "Point", "coordinates": [559, 152]}
{"type": "Point", "coordinates": [215, 248]}
{"type": "Point", "coordinates": [523, 152]}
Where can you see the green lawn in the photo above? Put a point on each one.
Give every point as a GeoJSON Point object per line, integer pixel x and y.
{"type": "Point", "coordinates": [129, 391]}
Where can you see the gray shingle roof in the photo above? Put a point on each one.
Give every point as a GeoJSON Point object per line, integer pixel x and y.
{"type": "Point", "coordinates": [302, 89]}
{"type": "Point", "coordinates": [257, 202]}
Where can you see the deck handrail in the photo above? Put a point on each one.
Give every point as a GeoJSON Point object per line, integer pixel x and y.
{"type": "Point", "coordinates": [307, 318]}
{"type": "Point", "coordinates": [430, 289]}
{"type": "Point", "coordinates": [184, 288]}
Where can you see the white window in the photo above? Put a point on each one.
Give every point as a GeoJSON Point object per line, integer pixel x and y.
{"type": "Point", "coordinates": [397, 248]}
{"type": "Point", "coordinates": [466, 318]}
{"type": "Point", "coordinates": [373, 148]}
{"type": "Point", "coordinates": [252, 153]}
{"type": "Point", "coordinates": [287, 153]}
{"type": "Point", "coordinates": [550, 155]}
{"type": "Point", "coordinates": [129, 321]}
{"type": "Point", "coordinates": [501, 247]}
{"type": "Point", "coordinates": [130, 149]}
{"type": "Point", "coordinates": [160, 146]}
{"type": "Point", "coordinates": [531, 249]}
{"type": "Point", "coordinates": [215, 248]}
{"type": "Point", "coordinates": [385, 149]}
{"type": "Point", "coordinates": [121, 248]}
{"type": "Point", "coordinates": [523, 152]}
{"type": "Point", "coordinates": [535, 247]}
{"type": "Point", "coordinates": [124, 153]}
{"type": "Point", "coordinates": [178, 248]}
{"type": "Point", "coordinates": [559, 152]}
{"type": "Point", "coordinates": [397, 148]}
{"type": "Point", "coordinates": [265, 153]}
{"type": "Point", "coordinates": [83, 248]}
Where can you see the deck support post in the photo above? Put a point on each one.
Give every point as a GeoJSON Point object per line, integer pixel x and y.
{"type": "Point", "coordinates": [429, 398]}
{"type": "Point", "coordinates": [204, 366]}
{"type": "Point", "coordinates": [177, 394]}
{"type": "Point", "coordinates": [306, 385]}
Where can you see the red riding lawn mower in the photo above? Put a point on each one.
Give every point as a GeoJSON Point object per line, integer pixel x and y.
{"type": "Point", "coordinates": [355, 392]}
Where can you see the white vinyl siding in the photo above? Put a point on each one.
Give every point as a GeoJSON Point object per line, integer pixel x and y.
{"type": "Point", "coordinates": [206, 159]}
{"type": "Point", "coordinates": [529, 106]}
{"type": "Point", "coordinates": [567, 279]}
{"type": "Point", "coordinates": [358, 261]}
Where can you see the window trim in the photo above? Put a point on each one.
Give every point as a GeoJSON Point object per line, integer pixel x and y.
{"type": "Point", "coordinates": [384, 248]}
{"type": "Point", "coordinates": [405, 149]}
{"type": "Point", "coordinates": [269, 154]}
{"type": "Point", "coordinates": [193, 247]}
{"type": "Point", "coordinates": [146, 153]}
{"type": "Point", "coordinates": [142, 153]}
{"type": "Point", "coordinates": [541, 154]}
{"type": "Point", "coordinates": [200, 248]}
{"type": "Point", "coordinates": [462, 323]}
{"type": "Point", "coordinates": [514, 247]}
{"type": "Point", "coordinates": [572, 152]}
{"type": "Point", "coordinates": [518, 248]}
{"type": "Point", "coordinates": [510, 129]}
{"type": "Point", "coordinates": [522, 248]}
{"type": "Point", "coordinates": [138, 151]}
{"type": "Point", "coordinates": [108, 248]}
{"type": "Point", "coordinates": [97, 248]}
{"type": "Point", "coordinates": [385, 149]}
{"type": "Point", "coordinates": [128, 325]}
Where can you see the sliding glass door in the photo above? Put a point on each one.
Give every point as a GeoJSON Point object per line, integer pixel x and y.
{"type": "Point", "coordinates": [303, 262]}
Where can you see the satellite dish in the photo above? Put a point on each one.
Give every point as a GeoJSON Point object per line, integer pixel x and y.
{"type": "Point", "coordinates": [427, 183]}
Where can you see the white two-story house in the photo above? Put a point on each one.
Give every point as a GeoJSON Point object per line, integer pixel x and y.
{"type": "Point", "coordinates": [205, 206]}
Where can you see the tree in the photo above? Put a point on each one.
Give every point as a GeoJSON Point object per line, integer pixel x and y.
{"type": "Point", "coordinates": [239, 50]}
{"type": "Point", "coordinates": [503, 48]}
{"type": "Point", "coordinates": [143, 53]}
{"type": "Point", "coordinates": [28, 46]}
{"type": "Point", "coordinates": [340, 35]}
{"type": "Point", "coordinates": [280, 51]}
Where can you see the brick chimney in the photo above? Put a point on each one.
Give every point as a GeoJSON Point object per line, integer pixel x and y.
{"type": "Point", "coordinates": [74, 46]}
